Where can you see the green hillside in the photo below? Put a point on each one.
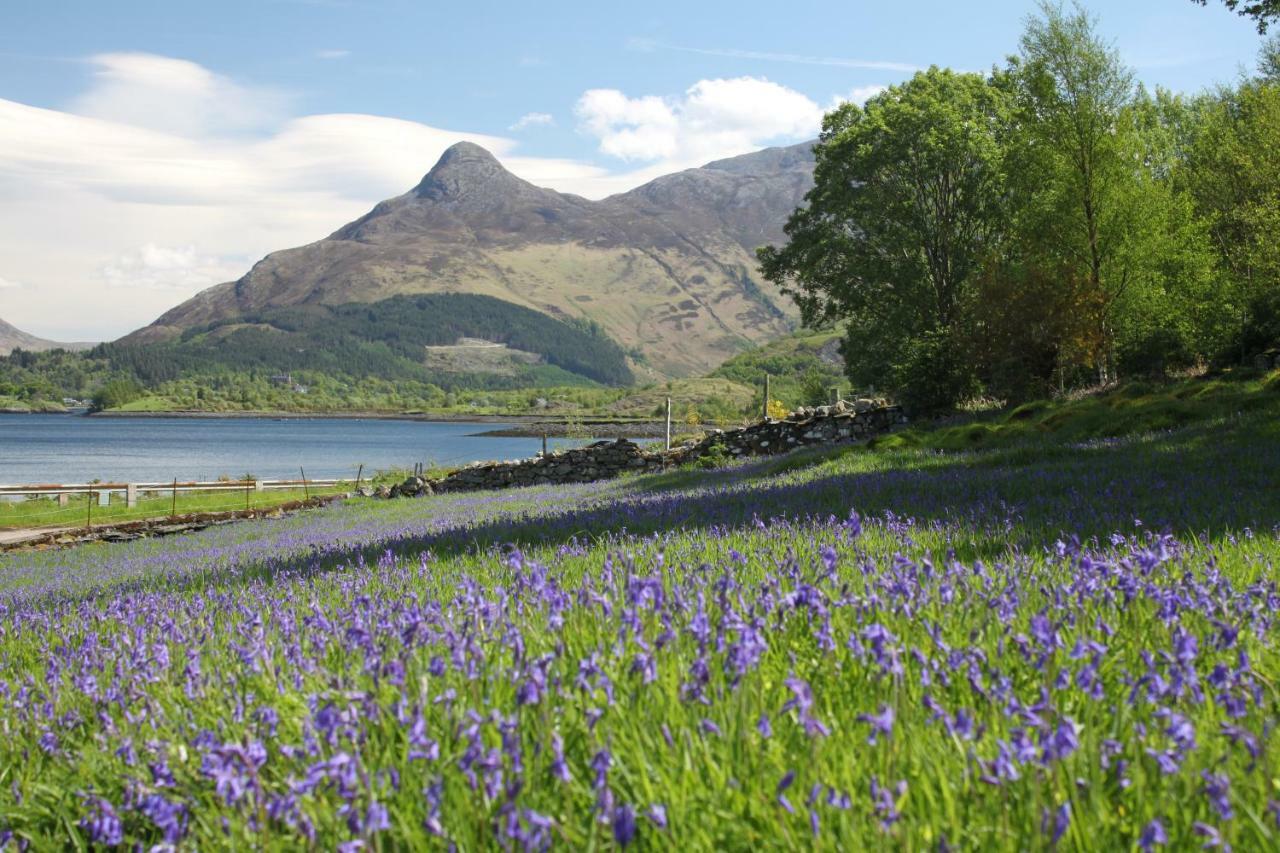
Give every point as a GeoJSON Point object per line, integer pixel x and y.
{"type": "Point", "coordinates": [382, 340]}
{"type": "Point", "coordinates": [803, 367]}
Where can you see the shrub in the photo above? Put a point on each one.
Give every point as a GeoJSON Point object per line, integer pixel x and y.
{"type": "Point", "coordinates": [934, 375]}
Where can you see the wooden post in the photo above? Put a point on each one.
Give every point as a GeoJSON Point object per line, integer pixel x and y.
{"type": "Point", "coordinates": [131, 496]}
{"type": "Point", "coordinates": [359, 471]}
{"type": "Point", "coordinates": [835, 394]}
{"type": "Point", "coordinates": [764, 413]}
{"type": "Point", "coordinates": [668, 423]}
{"type": "Point", "coordinates": [305, 491]}
{"type": "Point", "coordinates": [88, 520]}
{"type": "Point", "coordinates": [248, 490]}
{"type": "Point", "coordinates": [173, 507]}
{"type": "Point", "coordinates": [544, 445]}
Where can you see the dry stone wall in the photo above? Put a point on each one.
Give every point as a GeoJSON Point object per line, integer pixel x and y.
{"type": "Point", "coordinates": [843, 422]}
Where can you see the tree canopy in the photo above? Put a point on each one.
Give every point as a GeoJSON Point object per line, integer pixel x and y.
{"type": "Point", "coordinates": [1264, 12]}
{"type": "Point", "coordinates": [1049, 224]}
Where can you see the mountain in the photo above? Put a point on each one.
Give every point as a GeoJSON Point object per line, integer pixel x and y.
{"type": "Point", "coordinates": [12, 338]}
{"type": "Point", "coordinates": [666, 270]}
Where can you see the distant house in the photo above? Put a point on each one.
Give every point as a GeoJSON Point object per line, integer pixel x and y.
{"type": "Point", "coordinates": [285, 379]}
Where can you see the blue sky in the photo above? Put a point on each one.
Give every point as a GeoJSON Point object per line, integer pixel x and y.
{"type": "Point", "coordinates": [149, 149]}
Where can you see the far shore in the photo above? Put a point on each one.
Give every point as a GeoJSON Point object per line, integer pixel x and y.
{"type": "Point", "coordinates": [512, 425]}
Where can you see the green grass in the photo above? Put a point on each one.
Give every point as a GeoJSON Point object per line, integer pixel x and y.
{"type": "Point", "coordinates": [149, 403]}
{"type": "Point", "coordinates": [1131, 409]}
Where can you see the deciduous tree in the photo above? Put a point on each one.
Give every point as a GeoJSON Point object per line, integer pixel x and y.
{"type": "Point", "coordinates": [908, 199]}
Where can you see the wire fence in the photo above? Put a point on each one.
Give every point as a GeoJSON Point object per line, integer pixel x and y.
{"type": "Point", "coordinates": [83, 504]}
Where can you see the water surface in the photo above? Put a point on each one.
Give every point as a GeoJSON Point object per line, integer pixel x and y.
{"type": "Point", "coordinates": [76, 449]}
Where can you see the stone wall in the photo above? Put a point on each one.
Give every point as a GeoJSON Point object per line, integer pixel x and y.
{"type": "Point", "coordinates": [843, 422]}
{"type": "Point", "coordinates": [599, 461]}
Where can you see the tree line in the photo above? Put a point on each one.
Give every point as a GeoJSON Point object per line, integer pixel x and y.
{"type": "Point", "coordinates": [1049, 224]}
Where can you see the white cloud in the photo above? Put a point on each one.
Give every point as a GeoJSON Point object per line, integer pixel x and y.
{"type": "Point", "coordinates": [153, 267]}
{"type": "Point", "coordinates": [533, 120]}
{"type": "Point", "coordinates": [648, 45]}
{"type": "Point", "coordinates": [858, 95]}
{"type": "Point", "coordinates": [712, 119]}
{"type": "Point", "coordinates": [336, 53]}
{"type": "Point", "coordinates": [175, 96]}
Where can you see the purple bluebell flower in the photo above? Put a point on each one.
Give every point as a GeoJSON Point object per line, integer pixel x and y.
{"type": "Point", "coordinates": [624, 825]}
{"type": "Point", "coordinates": [780, 791]}
{"type": "Point", "coordinates": [1055, 824]}
{"type": "Point", "coordinates": [102, 824]}
{"type": "Point", "coordinates": [884, 801]}
{"type": "Point", "coordinates": [1217, 788]}
{"type": "Point", "coordinates": [1211, 835]}
{"type": "Point", "coordinates": [1153, 834]}
{"type": "Point", "coordinates": [881, 723]}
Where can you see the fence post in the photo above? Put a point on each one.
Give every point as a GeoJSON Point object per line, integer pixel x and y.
{"type": "Point", "coordinates": [305, 491]}
{"type": "Point", "coordinates": [173, 507]}
{"type": "Point", "coordinates": [359, 471]}
{"type": "Point", "coordinates": [64, 499]}
{"type": "Point", "coordinates": [88, 519]}
{"type": "Point", "coordinates": [544, 445]}
{"type": "Point", "coordinates": [248, 490]}
{"type": "Point", "coordinates": [835, 394]}
{"type": "Point", "coordinates": [668, 423]}
{"type": "Point", "coordinates": [765, 410]}
{"type": "Point", "coordinates": [104, 498]}
{"type": "Point", "coordinates": [131, 496]}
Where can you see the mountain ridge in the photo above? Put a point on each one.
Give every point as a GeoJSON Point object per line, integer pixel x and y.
{"type": "Point", "coordinates": [666, 269]}
{"type": "Point", "coordinates": [11, 338]}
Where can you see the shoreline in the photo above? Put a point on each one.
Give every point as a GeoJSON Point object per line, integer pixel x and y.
{"type": "Point", "coordinates": [426, 417]}
{"type": "Point", "coordinates": [578, 429]}
{"type": "Point", "coordinates": [508, 426]}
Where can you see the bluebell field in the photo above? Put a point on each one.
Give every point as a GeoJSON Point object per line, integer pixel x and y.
{"type": "Point", "coordinates": [1043, 647]}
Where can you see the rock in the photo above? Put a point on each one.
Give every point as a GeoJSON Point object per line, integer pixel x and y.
{"type": "Point", "coordinates": [383, 492]}
{"type": "Point", "coordinates": [366, 492]}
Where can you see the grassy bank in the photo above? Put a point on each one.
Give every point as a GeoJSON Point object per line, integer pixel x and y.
{"type": "Point", "coordinates": [81, 509]}
{"type": "Point", "coordinates": [1130, 409]}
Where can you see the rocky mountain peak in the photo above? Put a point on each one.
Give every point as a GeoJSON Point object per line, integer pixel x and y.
{"type": "Point", "coordinates": [461, 169]}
